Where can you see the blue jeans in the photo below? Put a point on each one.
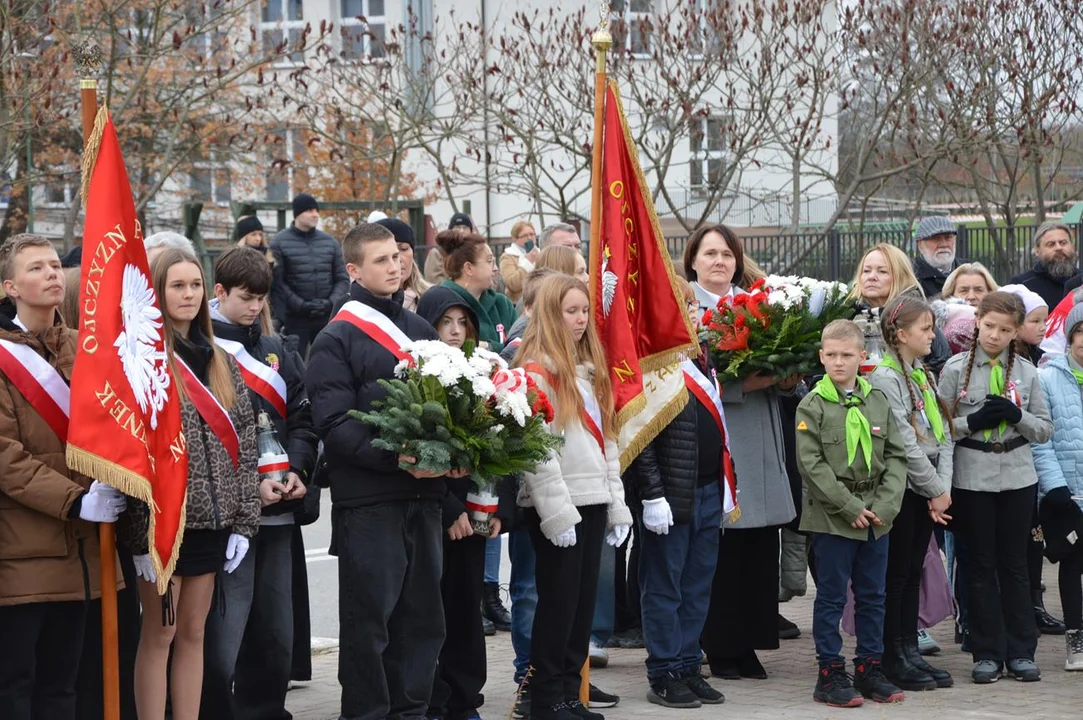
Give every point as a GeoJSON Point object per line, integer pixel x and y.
{"type": "Point", "coordinates": [605, 604]}
{"type": "Point", "coordinates": [524, 598]}
{"type": "Point", "coordinates": [841, 562]}
{"type": "Point", "coordinates": [675, 575]}
{"type": "Point", "coordinates": [493, 549]}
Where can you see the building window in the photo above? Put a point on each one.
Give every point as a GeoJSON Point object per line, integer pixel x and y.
{"type": "Point", "coordinates": [708, 145]}
{"type": "Point", "coordinates": [283, 21]}
{"type": "Point", "coordinates": [632, 21]}
{"type": "Point", "coordinates": [207, 25]}
{"type": "Point", "coordinates": [363, 29]}
{"type": "Point", "coordinates": [61, 190]}
{"type": "Point", "coordinates": [209, 184]}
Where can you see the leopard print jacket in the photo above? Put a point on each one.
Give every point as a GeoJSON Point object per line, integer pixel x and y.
{"type": "Point", "coordinates": [219, 495]}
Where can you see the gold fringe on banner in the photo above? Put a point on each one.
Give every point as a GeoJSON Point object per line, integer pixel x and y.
{"type": "Point", "coordinates": [136, 486]}
{"type": "Point", "coordinates": [90, 151]}
{"type": "Point", "coordinates": [630, 447]}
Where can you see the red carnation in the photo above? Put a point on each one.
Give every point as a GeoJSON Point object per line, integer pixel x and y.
{"type": "Point", "coordinates": [758, 284]}
{"type": "Point", "coordinates": [733, 338]}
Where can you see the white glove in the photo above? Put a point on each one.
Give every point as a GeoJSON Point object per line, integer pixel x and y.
{"type": "Point", "coordinates": [144, 568]}
{"type": "Point", "coordinates": [102, 503]}
{"type": "Point", "coordinates": [618, 534]}
{"type": "Point", "coordinates": [236, 549]}
{"type": "Point", "coordinates": [566, 539]}
{"type": "Point", "coordinates": [657, 515]}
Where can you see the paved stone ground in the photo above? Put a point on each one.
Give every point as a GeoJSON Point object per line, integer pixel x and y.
{"type": "Point", "coordinates": [787, 693]}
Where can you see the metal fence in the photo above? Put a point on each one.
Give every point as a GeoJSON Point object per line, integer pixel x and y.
{"type": "Point", "coordinates": [1006, 251]}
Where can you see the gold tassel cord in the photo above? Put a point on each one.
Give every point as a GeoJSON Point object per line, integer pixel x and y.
{"type": "Point", "coordinates": [90, 152]}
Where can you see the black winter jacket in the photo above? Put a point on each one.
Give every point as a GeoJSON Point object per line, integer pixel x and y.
{"type": "Point", "coordinates": [1038, 280]}
{"type": "Point", "coordinates": [310, 273]}
{"type": "Point", "coordinates": [295, 431]}
{"type": "Point", "coordinates": [669, 466]}
{"type": "Point", "coordinates": [930, 278]}
{"type": "Point", "coordinates": [343, 369]}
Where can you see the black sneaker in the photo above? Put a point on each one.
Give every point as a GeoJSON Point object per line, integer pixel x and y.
{"type": "Point", "coordinates": [580, 711]}
{"type": "Point", "coordinates": [787, 630]}
{"type": "Point", "coordinates": [521, 710]}
{"type": "Point", "coordinates": [560, 711]}
{"type": "Point", "coordinates": [870, 681]}
{"type": "Point", "coordinates": [602, 699]}
{"type": "Point", "coordinates": [1047, 624]}
{"type": "Point", "coordinates": [701, 689]}
{"type": "Point", "coordinates": [671, 691]}
{"type": "Point", "coordinates": [834, 687]}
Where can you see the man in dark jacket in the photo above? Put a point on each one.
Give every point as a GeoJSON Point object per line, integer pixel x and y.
{"type": "Point", "coordinates": [386, 525]}
{"type": "Point", "coordinates": [309, 273]}
{"type": "Point", "coordinates": [249, 643]}
{"type": "Point", "coordinates": [935, 238]}
{"type": "Point", "coordinates": [1056, 273]}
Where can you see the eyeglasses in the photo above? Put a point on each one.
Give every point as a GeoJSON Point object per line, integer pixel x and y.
{"type": "Point", "coordinates": [527, 236]}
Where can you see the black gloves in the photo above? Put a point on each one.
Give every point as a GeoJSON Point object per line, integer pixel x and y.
{"type": "Point", "coordinates": [1060, 497]}
{"type": "Point", "coordinates": [1004, 408]}
{"type": "Point", "coordinates": [318, 308]}
{"type": "Point", "coordinates": [984, 418]}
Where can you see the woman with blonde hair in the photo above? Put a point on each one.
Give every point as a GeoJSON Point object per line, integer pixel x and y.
{"type": "Point", "coordinates": [519, 258]}
{"type": "Point", "coordinates": [883, 274]}
{"type": "Point", "coordinates": [222, 504]}
{"type": "Point", "coordinates": [970, 282]}
{"type": "Point", "coordinates": [575, 501]}
{"type": "Point", "coordinates": [565, 260]}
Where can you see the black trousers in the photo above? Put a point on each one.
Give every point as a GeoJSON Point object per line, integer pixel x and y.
{"type": "Point", "coordinates": [567, 581]}
{"type": "Point", "coordinates": [39, 661]}
{"type": "Point", "coordinates": [910, 535]}
{"type": "Point", "coordinates": [996, 526]}
{"type": "Point", "coordinates": [1071, 590]}
{"type": "Point", "coordinates": [460, 676]}
{"type": "Point", "coordinates": [629, 615]}
{"type": "Point", "coordinates": [391, 619]}
{"type": "Point", "coordinates": [302, 621]}
{"type": "Point", "coordinates": [744, 595]}
{"type": "Point", "coordinates": [88, 688]}
{"type": "Point", "coordinates": [305, 329]}
{"type": "Point", "coordinates": [1035, 555]}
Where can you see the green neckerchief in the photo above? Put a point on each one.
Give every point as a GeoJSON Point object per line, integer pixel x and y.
{"type": "Point", "coordinates": [928, 398]}
{"type": "Point", "coordinates": [858, 430]}
{"type": "Point", "coordinates": [996, 387]}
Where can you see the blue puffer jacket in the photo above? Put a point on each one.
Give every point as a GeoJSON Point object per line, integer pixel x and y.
{"type": "Point", "coordinates": [1059, 462]}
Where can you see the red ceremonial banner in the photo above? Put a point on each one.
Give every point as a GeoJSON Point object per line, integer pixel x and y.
{"type": "Point", "coordinates": [125, 428]}
{"type": "Point", "coordinates": [636, 300]}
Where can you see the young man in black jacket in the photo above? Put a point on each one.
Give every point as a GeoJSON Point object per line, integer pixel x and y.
{"type": "Point", "coordinates": [386, 521]}
{"type": "Point", "coordinates": [310, 273]}
{"type": "Point", "coordinates": [249, 640]}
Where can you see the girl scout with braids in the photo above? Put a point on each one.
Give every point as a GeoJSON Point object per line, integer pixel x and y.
{"type": "Point", "coordinates": [854, 464]}
{"type": "Point", "coordinates": [999, 410]}
{"type": "Point", "coordinates": [924, 423]}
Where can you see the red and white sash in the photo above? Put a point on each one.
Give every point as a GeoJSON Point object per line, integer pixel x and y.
{"type": "Point", "coordinates": [260, 378]}
{"type": "Point", "coordinates": [377, 326]}
{"type": "Point", "coordinates": [591, 414]}
{"type": "Point", "coordinates": [39, 382]}
{"type": "Point", "coordinates": [706, 391]}
{"type": "Point", "coordinates": [211, 411]}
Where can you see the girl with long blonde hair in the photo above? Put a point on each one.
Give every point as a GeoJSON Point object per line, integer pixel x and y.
{"type": "Point", "coordinates": [576, 499]}
{"type": "Point", "coordinates": [222, 505]}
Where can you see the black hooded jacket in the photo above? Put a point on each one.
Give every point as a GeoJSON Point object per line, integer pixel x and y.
{"type": "Point", "coordinates": [344, 368]}
{"type": "Point", "coordinates": [294, 431]}
{"type": "Point", "coordinates": [438, 300]}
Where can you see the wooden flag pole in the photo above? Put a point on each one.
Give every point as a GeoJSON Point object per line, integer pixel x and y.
{"type": "Point", "coordinates": [88, 58]}
{"type": "Point", "coordinates": [602, 41]}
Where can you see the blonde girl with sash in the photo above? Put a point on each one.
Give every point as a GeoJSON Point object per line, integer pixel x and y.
{"type": "Point", "coordinates": [575, 501]}
{"type": "Point", "coordinates": [222, 505]}
{"type": "Point", "coordinates": [925, 425]}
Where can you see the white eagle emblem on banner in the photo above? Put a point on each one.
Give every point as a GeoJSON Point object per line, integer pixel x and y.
{"type": "Point", "coordinates": [137, 345]}
{"type": "Point", "coordinates": [609, 284]}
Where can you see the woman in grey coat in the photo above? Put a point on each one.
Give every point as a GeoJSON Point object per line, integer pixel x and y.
{"type": "Point", "coordinates": [743, 616]}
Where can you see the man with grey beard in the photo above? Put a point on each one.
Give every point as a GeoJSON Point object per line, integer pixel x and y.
{"type": "Point", "coordinates": [1057, 272]}
{"type": "Point", "coordinates": [935, 238]}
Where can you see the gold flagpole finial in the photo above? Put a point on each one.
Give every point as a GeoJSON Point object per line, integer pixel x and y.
{"type": "Point", "coordinates": [88, 56]}
{"type": "Point", "coordinates": [601, 39]}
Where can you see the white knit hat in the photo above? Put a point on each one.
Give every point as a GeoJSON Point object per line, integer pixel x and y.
{"type": "Point", "coordinates": [1031, 300]}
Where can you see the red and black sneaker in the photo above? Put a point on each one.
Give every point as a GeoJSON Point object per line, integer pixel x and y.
{"type": "Point", "coordinates": [870, 681]}
{"type": "Point", "coordinates": [834, 687]}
